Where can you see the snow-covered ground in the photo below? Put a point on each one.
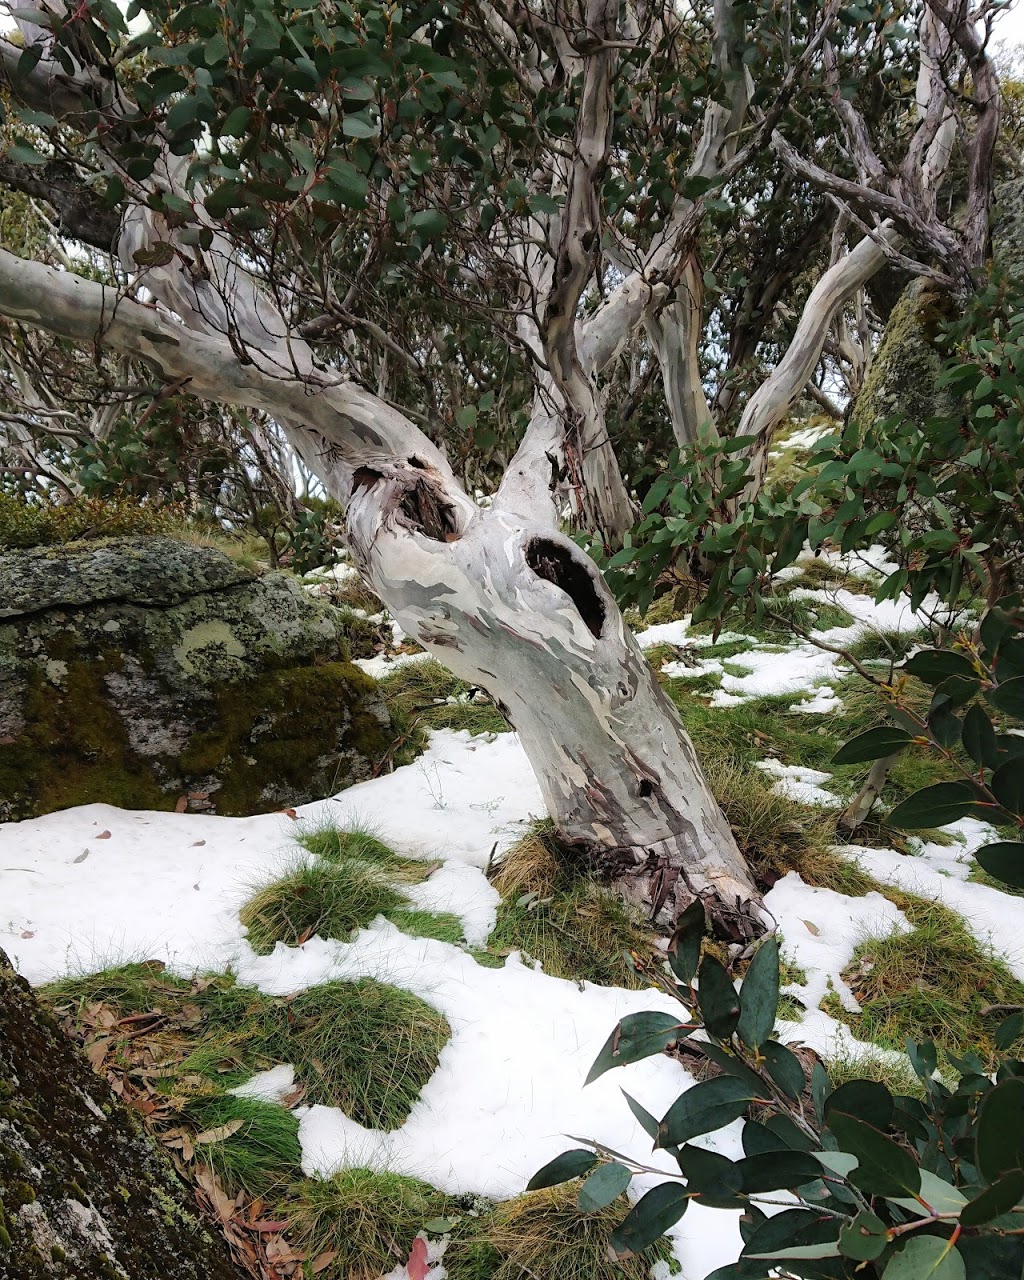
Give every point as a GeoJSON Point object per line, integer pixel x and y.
{"type": "Point", "coordinates": [94, 886]}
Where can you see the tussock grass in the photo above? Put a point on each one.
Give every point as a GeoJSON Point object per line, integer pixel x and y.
{"type": "Point", "coordinates": [364, 1046]}
{"type": "Point", "coordinates": [416, 695]}
{"type": "Point", "coordinates": [261, 1155]}
{"type": "Point", "coordinates": [332, 900]}
{"type": "Point", "coordinates": [777, 834]}
{"type": "Point", "coordinates": [898, 1075]}
{"type": "Point", "coordinates": [930, 984]}
{"type": "Point", "coordinates": [440, 925]}
{"type": "Point", "coordinates": [554, 912]}
{"type": "Point", "coordinates": [368, 1220]}
{"type": "Point", "coordinates": [348, 879]}
{"type": "Point", "coordinates": [326, 841]}
{"type": "Point", "coordinates": [892, 646]}
{"type": "Point", "coordinates": [543, 1236]}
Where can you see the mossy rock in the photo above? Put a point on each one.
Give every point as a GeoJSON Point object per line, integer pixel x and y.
{"type": "Point", "coordinates": [135, 671]}
{"type": "Point", "coordinates": [904, 374]}
{"type": "Point", "coordinates": [84, 1194]}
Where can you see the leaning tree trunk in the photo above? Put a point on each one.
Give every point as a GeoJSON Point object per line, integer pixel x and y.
{"type": "Point", "coordinates": [83, 1193]}
{"type": "Point", "coordinates": [509, 604]}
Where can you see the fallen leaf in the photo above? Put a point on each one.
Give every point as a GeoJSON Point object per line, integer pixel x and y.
{"type": "Point", "coordinates": [418, 1266]}
{"type": "Point", "coordinates": [82, 856]}
{"type": "Point", "coordinates": [181, 804]}
{"type": "Point", "coordinates": [324, 1261]}
{"type": "Point", "coordinates": [28, 933]}
{"type": "Point", "coordinates": [293, 1097]}
{"type": "Point", "coordinates": [198, 844]}
{"type": "Point", "coordinates": [103, 835]}
{"type": "Point", "coordinates": [219, 1134]}
{"type": "Point", "coordinates": [812, 928]}
{"type": "Point", "coordinates": [290, 813]}
{"type": "Point", "coordinates": [266, 1228]}
{"type": "Point", "coordinates": [96, 1052]}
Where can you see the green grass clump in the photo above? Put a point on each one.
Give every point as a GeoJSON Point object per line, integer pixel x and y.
{"type": "Point", "coordinates": [367, 1220]}
{"type": "Point", "coordinates": [332, 900]}
{"type": "Point", "coordinates": [416, 697]}
{"type": "Point", "coordinates": [440, 925]}
{"type": "Point", "coordinates": [334, 845]}
{"type": "Point", "coordinates": [348, 879]}
{"type": "Point", "coordinates": [930, 984]}
{"type": "Point", "coordinates": [364, 1046]}
{"type": "Point", "coordinates": [897, 1075]}
{"type": "Point", "coordinates": [777, 834]}
{"type": "Point", "coordinates": [259, 1150]}
{"type": "Point", "coordinates": [893, 646]}
{"type": "Point", "coordinates": [141, 987]}
{"type": "Point", "coordinates": [543, 1236]}
{"type": "Point", "coordinates": [554, 912]}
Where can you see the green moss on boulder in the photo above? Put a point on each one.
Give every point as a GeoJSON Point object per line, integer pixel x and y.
{"type": "Point", "coordinates": [135, 671]}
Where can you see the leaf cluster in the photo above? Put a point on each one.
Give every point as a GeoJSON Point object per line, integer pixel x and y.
{"type": "Point", "coordinates": [882, 1184]}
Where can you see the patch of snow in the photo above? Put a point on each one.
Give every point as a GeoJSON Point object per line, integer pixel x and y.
{"type": "Point", "coordinates": [799, 783]}
{"type": "Point", "coordinates": [821, 929]}
{"type": "Point", "coordinates": [383, 665]}
{"type": "Point", "coordinates": [691, 671]}
{"type": "Point", "coordinates": [824, 701]}
{"type": "Point", "coordinates": [268, 1086]}
{"type": "Point", "coordinates": [664, 633]}
{"type": "Point", "coordinates": [995, 918]}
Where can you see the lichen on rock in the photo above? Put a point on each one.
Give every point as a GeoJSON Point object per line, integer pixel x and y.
{"type": "Point", "coordinates": [138, 670]}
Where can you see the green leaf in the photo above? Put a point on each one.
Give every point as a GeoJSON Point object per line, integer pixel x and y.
{"type": "Point", "coordinates": [649, 1219]}
{"type": "Point", "coordinates": [22, 153]}
{"type": "Point", "coordinates": [883, 1167]}
{"type": "Point", "coordinates": [638, 1035]}
{"type": "Point", "coordinates": [759, 996]}
{"type": "Point", "coordinates": [926, 1258]}
{"type": "Point", "coordinates": [938, 1195]}
{"type": "Point", "coordinates": [864, 1238]}
{"type": "Point", "coordinates": [795, 1233]}
{"type": "Point", "coordinates": [1008, 786]}
{"type": "Point", "coordinates": [350, 186]}
{"type": "Point", "coordinates": [719, 1003]}
{"type": "Point", "coordinates": [777, 1171]}
{"type": "Point", "coordinates": [702, 1109]}
{"type": "Point", "coordinates": [603, 1186]}
{"type": "Point", "coordinates": [1004, 860]}
{"type": "Point", "coordinates": [236, 123]}
{"type": "Point", "coordinates": [979, 737]}
{"type": "Point", "coordinates": [872, 745]}
{"type": "Point", "coordinates": [359, 126]}
{"type": "Point", "coordinates": [684, 946]}
{"type": "Point", "coordinates": [1010, 1028]}
{"type": "Point", "coordinates": [1002, 1196]}
{"type": "Point", "coordinates": [709, 1175]}
{"type": "Point", "coordinates": [866, 1100]}
{"type": "Point", "coordinates": [428, 223]}
{"type": "Point", "coordinates": [934, 806]}
{"type": "Point", "coordinates": [935, 665]}
{"type": "Point", "coordinates": [570, 1164]}
{"type": "Point", "coordinates": [1000, 1130]}
{"type": "Point", "coordinates": [1009, 697]}
{"type": "Point", "coordinates": [784, 1068]}
{"type": "Point", "coordinates": [647, 1122]}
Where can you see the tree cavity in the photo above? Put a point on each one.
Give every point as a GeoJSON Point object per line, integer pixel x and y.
{"type": "Point", "coordinates": [555, 563]}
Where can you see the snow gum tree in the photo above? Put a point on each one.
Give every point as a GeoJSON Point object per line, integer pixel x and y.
{"type": "Point", "coordinates": [382, 227]}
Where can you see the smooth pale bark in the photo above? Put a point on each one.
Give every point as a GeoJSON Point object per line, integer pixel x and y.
{"type": "Point", "coordinates": [500, 597]}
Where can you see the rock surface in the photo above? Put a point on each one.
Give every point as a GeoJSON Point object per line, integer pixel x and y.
{"type": "Point", "coordinates": [903, 375]}
{"type": "Point", "coordinates": [84, 1195]}
{"type": "Point", "coordinates": [138, 671]}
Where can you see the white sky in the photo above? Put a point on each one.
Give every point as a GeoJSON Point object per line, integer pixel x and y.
{"type": "Point", "coordinates": [1010, 26]}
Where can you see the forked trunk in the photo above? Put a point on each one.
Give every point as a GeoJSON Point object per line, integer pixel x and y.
{"type": "Point", "coordinates": [520, 610]}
